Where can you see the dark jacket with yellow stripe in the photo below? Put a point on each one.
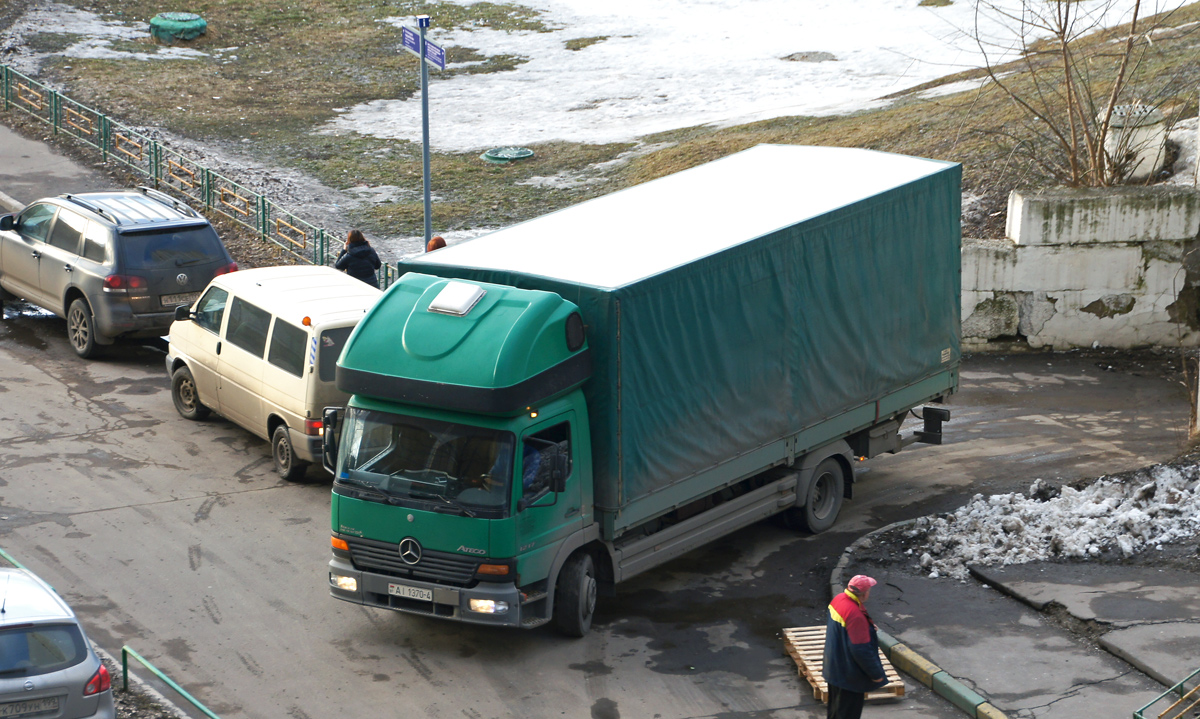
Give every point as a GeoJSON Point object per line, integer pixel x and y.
{"type": "Point", "coordinates": [851, 647]}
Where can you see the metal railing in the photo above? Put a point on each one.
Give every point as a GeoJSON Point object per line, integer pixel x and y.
{"type": "Point", "coordinates": [127, 652]}
{"type": "Point", "coordinates": [1175, 711]}
{"type": "Point", "coordinates": [170, 170]}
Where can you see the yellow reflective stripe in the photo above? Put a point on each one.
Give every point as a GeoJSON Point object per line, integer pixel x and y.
{"type": "Point", "coordinates": [835, 616]}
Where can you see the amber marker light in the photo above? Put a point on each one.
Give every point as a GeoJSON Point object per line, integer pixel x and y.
{"type": "Point", "coordinates": [494, 569]}
{"type": "Point", "coordinates": [339, 544]}
{"type": "Point", "coordinates": [307, 321]}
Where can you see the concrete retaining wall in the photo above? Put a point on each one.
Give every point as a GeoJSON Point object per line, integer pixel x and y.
{"type": "Point", "coordinates": [1115, 267]}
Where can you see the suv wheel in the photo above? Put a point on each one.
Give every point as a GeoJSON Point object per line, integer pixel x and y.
{"type": "Point", "coordinates": [81, 329]}
{"type": "Point", "coordinates": [185, 396]}
{"type": "Point", "coordinates": [286, 463]}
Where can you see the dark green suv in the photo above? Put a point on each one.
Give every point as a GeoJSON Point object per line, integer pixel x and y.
{"type": "Point", "coordinates": [113, 264]}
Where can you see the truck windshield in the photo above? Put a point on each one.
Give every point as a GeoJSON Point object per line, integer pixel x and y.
{"type": "Point", "coordinates": [426, 463]}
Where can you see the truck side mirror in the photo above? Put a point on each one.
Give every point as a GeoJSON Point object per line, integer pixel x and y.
{"type": "Point", "coordinates": [182, 313]}
{"type": "Point", "coordinates": [331, 424]}
{"type": "Point", "coordinates": [558, 477]}
{"type": "Point", "coordinates": [7, 222]}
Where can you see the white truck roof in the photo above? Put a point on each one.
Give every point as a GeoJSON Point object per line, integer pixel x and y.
{"type": "Point", "coordinates": [618, 239]}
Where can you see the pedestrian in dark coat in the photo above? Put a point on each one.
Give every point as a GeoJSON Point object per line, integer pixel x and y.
{"type": "Point", "coordinates": [358, 259]}
{"type": "Point", "coordinates": [852, 667]}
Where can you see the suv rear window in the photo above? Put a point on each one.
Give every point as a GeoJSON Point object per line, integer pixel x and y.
{"type": "Point", "coordinates": [30, 650]}
{"type": "Point", "coordinates": [177, 247]}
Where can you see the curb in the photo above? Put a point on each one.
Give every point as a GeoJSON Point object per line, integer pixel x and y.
{"type": "Point", "coordinates": [10, 204]}
{"type": "Point", "coordinates": [905, 659]}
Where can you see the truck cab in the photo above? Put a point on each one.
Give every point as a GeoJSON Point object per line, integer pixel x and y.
{"type": "Point", "coordinates": [476, 431]}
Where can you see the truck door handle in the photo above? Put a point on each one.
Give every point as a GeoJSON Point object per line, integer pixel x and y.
{"type": "Point", "coordinates": [572, 512]}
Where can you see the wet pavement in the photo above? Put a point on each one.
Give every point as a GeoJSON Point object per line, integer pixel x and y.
{"type": "Point", "coordinates": [1047, 640]}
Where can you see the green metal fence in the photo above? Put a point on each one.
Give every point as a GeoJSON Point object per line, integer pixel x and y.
{"type": "Point", "coordinates": [1187, 702]}
{"type": "Point", "coordinates": [127, 652]}
{"type": "Point", "coordinates": [167, 169]}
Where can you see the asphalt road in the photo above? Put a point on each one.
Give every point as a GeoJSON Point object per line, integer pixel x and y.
{"type": "Point", "coordinates": [177, 539]}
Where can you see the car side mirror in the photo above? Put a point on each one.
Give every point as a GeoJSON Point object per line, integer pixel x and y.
{"type": "Point", "coordinates": [183, 313]}
{"type": "Point", "coordinates": [7, 222]}
{"type": "Point", "coordinates": [331, 432]}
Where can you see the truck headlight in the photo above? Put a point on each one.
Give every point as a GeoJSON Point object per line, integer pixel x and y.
{"type": "Point", "coordinates": [347, 584]}
{"type": "Point", "coordinates": [488, 606]}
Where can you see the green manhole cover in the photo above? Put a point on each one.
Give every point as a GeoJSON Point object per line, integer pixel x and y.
{"type": "Point", "coordinates": [501, 155]}
{"type": "Point", "coordinates": [168, 26]}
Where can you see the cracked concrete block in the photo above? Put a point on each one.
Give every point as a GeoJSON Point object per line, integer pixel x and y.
{"type": "Point", "coordinates": [1034, 310]}
{"type": "Point", "coordinates": [1104, 268]}
{"type": "Point", "coordinates": [1067, 216]}
{"type": "Point", "coordinates": [988, 264]}
{"type": "Point", "coordinates": [992, 318]}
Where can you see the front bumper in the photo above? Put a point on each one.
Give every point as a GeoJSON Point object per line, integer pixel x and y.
{"type": "Point", "coordinates": [448, 602]}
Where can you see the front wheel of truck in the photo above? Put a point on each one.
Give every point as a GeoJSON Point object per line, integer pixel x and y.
{"type": "Point", "coordinates": [575, 597]}
{"type": "Point", "coordinates": [824, 500]}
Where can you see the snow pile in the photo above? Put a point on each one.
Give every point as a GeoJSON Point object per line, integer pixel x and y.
{"type": "Point", "coordinates": [1152, 507]}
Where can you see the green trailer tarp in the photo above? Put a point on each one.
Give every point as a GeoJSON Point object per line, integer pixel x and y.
{"type": "Point", "coordinates": [737, 303]}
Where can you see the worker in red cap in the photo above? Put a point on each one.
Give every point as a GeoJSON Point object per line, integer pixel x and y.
{"type": "Point", "coordinates": [852, 667]}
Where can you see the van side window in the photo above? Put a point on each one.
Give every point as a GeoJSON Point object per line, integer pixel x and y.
{"type": "Point", "coordinates": [211, 309]}
{"type": "Point", "coordinates": [537, 452]}
{"type": "Point", "coordinates": [68, 231]}
{"type": "Point", "coordinates": [248, 326]}
{"type": "Point", "coordinates": [287, 348]}
{"type": "Point", "coordinates": [329, 348]}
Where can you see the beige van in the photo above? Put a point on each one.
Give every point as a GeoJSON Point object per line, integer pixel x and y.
{"type": "Point", "coordinates": [260, 348]}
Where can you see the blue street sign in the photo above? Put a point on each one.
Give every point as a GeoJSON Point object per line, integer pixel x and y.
{"type": "Point", "coordinates": [412, 42]}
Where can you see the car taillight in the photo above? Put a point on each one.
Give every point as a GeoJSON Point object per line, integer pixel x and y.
{"type": "Point", "coordinates": [231, 267]}
{"type": "Point", "coordinates": [122, 283]}
{"type": "Point", "coordinates": [100, 682]}
{"type": "Point", "coordinates": [314, 427]}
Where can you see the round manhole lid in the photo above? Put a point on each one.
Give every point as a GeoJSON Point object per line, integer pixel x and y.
{"type": "Point", "coordinates": [507, 154]}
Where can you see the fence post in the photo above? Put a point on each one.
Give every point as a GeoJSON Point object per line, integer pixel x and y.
{"type": "Point", "coordinates": [54, 111]}
{"type": "Point", "coordinates": [7, 79]}
{"type": "Point", "coordinates": [262, 216]}
{"type": "Point", "coordinates": [124, 669]}
{"type": "Point", "coordinates": [155, 169]}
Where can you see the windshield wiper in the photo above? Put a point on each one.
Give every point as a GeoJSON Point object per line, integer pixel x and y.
{"type": "Point", "coordinates": [452, 502]}
{"type": "Point", "coordinates": [366, 488]}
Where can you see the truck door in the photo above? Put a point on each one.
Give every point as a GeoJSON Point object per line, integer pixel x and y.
{"type": "Point", "coordinates": [544, 516]}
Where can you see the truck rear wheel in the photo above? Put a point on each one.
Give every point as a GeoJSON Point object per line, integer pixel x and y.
{"type": "Point", "coordinates": [575, 597]}
{"type": "Point", "coordinates": [824, 499]}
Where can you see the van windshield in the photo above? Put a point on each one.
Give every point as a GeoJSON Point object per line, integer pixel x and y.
{"type": "Point", "coordinates": [425, 463]}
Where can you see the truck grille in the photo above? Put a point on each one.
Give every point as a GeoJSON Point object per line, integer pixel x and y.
{"type": "Point", "coordinates": [438, 567]}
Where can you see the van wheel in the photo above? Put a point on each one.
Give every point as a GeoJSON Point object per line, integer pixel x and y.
{"type": "Point", "coordinates": [824, 499]}
{"type": "Point", "coordinates": [575, 597]}
{"type": "Point", "coordinates": [185, 396]}
{"type": "Point", "coordinates": [81, 329]}
{"type": "Point", "coordinates": [286, 464]}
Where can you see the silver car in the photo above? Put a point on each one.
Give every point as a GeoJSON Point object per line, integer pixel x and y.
{"type": "Point", "coordinates": [113, 264]}
{"type": "Point", "coordinates": [47, 665]}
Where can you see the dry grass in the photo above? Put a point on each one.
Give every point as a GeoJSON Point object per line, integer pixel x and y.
{"type": "Point", "coordinates": [297, 61]}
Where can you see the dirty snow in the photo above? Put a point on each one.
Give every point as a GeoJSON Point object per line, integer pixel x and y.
{"type": "Point", "coordinates": [1110, 516]}
{"type": "Point", "coordinates": [668, 64]}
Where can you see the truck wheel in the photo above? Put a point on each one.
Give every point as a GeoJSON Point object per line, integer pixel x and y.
{"type": "Point", "coordinates": [286, 463]}
{"type": "Point", "coordinates": [185, 396]}
{"type": "Point", "coordinates": [824, 499]}
{"type": "Point", "coordinates": [81, 329]}
{"type": "Point", "coordinates": [575, 598]}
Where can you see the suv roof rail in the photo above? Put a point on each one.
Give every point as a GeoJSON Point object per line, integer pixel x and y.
{"type": "Point", "coordinates": [93, 207]}
{"type": "Point", "coordinates": [166, 199]}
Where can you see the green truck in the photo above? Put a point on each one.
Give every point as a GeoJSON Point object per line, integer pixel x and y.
{"type": "Point", "coordinates": [553, 408]}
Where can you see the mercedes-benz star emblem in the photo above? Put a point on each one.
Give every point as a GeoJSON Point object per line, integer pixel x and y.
{"type": "Point", "coordinates": [181, 279]}
{"type": "Point", "coordinates": [410, 550]}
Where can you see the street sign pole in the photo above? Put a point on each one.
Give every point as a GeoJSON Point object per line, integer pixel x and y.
{"type": "Point", "coordinates": [423, 23]}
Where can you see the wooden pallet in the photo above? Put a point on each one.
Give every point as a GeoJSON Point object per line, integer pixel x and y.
{"type": "Point", "coordinates": [807, 647]}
